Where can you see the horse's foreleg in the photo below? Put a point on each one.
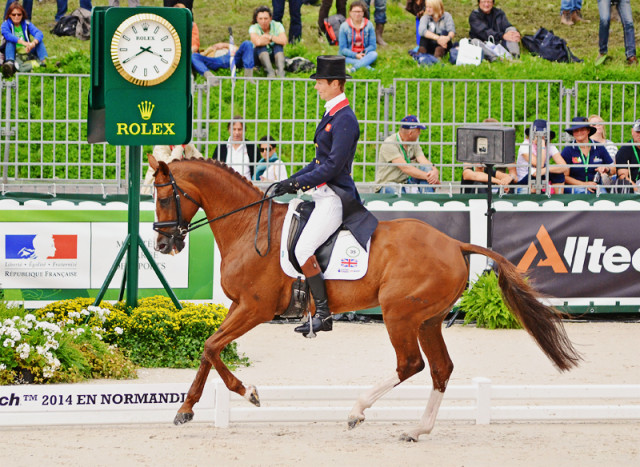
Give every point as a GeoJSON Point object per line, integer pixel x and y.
{"type": "Point", "coordinates": [366, 400]}
{"type": "Point", "coordinates": [441, 366]}
{"type": "Point", "coordinates": [235, 325]}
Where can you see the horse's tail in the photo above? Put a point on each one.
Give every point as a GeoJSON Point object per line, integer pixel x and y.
{"type": "Point", "coordinates": [541, 321]}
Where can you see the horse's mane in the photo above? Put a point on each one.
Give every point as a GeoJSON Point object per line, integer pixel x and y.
{"type": "Point", "coordinates": [222, 166]}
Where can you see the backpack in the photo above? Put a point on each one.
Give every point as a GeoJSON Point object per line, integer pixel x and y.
{"type": "Point", "coordinates": [547, 45]}
{"type": "Point", "coordinates": [332, 26]}
{"type": "Point", "coordinates": [83, 26]}
{"type": "Point", "coordinates": [66, 26]}
{"type": "Point", "coordinates": [298, 65]}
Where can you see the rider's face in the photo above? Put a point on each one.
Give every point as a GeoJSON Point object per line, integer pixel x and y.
{"type": "Point", "coordinates": [327, 90]}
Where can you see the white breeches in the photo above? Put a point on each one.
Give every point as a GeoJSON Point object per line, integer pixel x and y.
{"type": "Point", "coordinates": [324, 220]}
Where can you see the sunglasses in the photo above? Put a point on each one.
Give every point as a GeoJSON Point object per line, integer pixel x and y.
{"type": "Point", "coordinates": [264, 149]}
{"type": "Point", "coordinates": [15, 14]}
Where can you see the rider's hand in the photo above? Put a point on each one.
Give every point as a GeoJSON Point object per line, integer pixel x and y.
{"type": "Point", "coordinates": [286, 186]}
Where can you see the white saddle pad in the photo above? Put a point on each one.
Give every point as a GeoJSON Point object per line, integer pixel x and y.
{"type": "Point", "coordinates": [349, 261]}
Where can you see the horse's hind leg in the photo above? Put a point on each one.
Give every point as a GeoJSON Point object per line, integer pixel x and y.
{"type": "Point", "coordinates": [432, 343]}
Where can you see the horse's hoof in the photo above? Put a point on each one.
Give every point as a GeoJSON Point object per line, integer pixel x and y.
{"type": "Point", "coordinates": [408, 438]}
{"type": "Point", "coordinates": [354, 421]}
{"type": "Point", "coordinates": [252, 396]}
{"type": "Point", "coordinates": [182, 418]}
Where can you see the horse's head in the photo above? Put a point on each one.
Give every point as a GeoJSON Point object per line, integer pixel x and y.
{"type": "Point", "coordinates": [174, 209]}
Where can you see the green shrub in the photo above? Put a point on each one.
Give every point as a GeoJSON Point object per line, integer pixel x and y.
{"type": "Point", "coordinates": [483, 304]}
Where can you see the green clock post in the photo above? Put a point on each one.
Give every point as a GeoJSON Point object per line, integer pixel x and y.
{"type": "Point", "coordinates": [140, 94]}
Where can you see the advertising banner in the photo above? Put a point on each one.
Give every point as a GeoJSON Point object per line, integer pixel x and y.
{"type": "Point", "coordinates": [574, 254]}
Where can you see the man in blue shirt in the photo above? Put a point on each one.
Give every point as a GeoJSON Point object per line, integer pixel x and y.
{"type": "Point", "coordinates": [587, 160]}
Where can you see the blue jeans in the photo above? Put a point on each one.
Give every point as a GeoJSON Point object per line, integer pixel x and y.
{"type": "Point", "coordinates": [380, 13]}
{"type": "Point", "coordinates": [62, 7]}
{"type": "Point", "coordinates": [571, 5]}
{"type": "Point", "coordinates": [10, 51]}
{"type": "Point", "coordinates": [365, 61]}
{"type": "Point", "coordinates": [295, 26]}
{"type": "Point", "coordinates": [411, 181]}
{"type": "Point", "coordinates": [26, 4]}
{"type": "Point", "coordinates": [624, 8]}
{"type": "Point", "coordinates": [243, 58]}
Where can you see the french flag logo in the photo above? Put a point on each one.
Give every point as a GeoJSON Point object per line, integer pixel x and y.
{"type": "Point", "coordinates": [41, 246]}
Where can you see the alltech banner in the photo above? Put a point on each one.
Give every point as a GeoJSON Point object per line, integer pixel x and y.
{"type": "Point", "coordinates": [574, 254]}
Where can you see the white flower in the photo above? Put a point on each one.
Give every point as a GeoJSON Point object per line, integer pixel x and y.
{"type": "Point", "coordinates": [29, 317]}
{"type": "Point", "coordinates": [8, 343]}
{"type": "Point", "coordinates": [23, 350]}
{"type": "Point", "coordinates": [74, 314]}
{"type": "Point", "coordinates": [41, 350]}
{"type": "Point", "coordinates": [3, 366]}
{"type": "Point", "coordinates": [47, 372]}
{"type": "Point", "coordinates": [50, 315]}
{"type": "Point", "coordinates": [118, 330]}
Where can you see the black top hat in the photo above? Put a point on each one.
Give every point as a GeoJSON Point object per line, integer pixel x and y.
{"type": "Point", "coordinates": [541, 125]}
{"type": "Point", "coordinates": [330, 67]}
{"type": "Point", "coordinates": [580, 122]}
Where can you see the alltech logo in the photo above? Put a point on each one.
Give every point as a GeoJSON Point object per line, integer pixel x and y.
{"type": "Point", "coordinates": [580, 254]}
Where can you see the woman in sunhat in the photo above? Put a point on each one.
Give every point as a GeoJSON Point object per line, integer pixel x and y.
{"type": "Point", "coordinates": [329, 176]}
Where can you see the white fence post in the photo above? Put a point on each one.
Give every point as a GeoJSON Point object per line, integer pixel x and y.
{"type": "Point", "coordinates": [483, 400]}
{"type": "Point", "coordinates": [222, 404]}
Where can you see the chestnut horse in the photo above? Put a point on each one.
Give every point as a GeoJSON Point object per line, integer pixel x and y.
{"type": "Point", "coordinates": [416, 273]}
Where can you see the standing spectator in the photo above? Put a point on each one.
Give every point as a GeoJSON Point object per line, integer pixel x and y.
{"type": "Point", "coordinates": [357, 39]}
{"type": "Point", "coordinates": [268, 38]}
{"type": "Point", "coordinates": [26, 4]}
{"type": "Point", "coordinates": [132, 3]}
{"type": "Point", "coordinates": [380, 18]}
{"type": "Point", "coordinates": [629, 156]}
{"type": "Point", "coordinates": [270, 168]}
{"type": "Point", "coordinates": [624, 9]}
{"type": "Point", "coordinates": [398, 156]}
{"type": "Point", "coordinates": [325, 6]}
{"type": "Point", "coordinates": [219, 56]}
{"type": "Point", "coordinates": [24, 41]}
{"type": "Point", "coordinates": [585, 159]}
{"type": "Point", "coordinates": [487, 21]}
{"type": "Point", "coordinates": [62, 7]}
{"type": "Point", "coordinates": [571, 12]}
{"type": "Point", "coordinates": [295, 25]}
{"type": "Point", "coordinates": [599, 135]}
{"type": "Point", "coordinates": [236, 153]}
{"type": "Point", "coordinates": [436, 30]}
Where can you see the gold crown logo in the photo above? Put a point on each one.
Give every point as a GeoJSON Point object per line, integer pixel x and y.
{"type": "Point", "coordinates": [146, 109]}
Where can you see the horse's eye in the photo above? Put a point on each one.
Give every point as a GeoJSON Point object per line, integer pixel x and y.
{"type": "Point", "coordinates": [164, 202]}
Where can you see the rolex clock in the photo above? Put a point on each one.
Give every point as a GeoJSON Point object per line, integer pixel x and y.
{"type": "Point", "coordinates": [146, 49]}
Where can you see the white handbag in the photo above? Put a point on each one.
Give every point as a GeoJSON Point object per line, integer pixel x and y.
{"type": "Point", "coordinates": [468, 54]}
{"type": "Point", "coordinates": [498, 49]}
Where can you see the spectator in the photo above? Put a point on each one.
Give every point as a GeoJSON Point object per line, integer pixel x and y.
{"type": "Point", "coordinates": [487, 21]}
{"type": "Point", "coordinates": [571, 11]}
{"type": "Point", "coordinates": [26, 4]}
{"type": "Point", "coordinates": [132, 3]}
{"type": "Point", "coordinates": [629, 156]}
{"type": "Point", "coordinates": [436, 30]}
{"type": "Point", "coordinates": [236, 153]}
{"type": "Point", "coordinates": [599, 135]}
{"type": "Point", "coordinates": [397, 155]}
{"type": "Point", "coordinates": [24, 42]}
{"type": "Point", "coordinates": [295, 25]}
{"type": "Point", "coordinates": [624, 9]}
{"type": "Point", "coordinates": [325, 6]}
{"type": "Point", "coordinates": [195, 33]}
{"type": "Point", "coordinates": [585, 159]}
{"type": "Point", "coordinates": [357, 39]}
{"type": "Point", "coordinates": [62, 7]}
{"type": "Point", "coordinates": [270, 168]}
{"type": "Point", "coordinates": [168, 154]}
{"type": "Point", "coordinates": [380, 18]}
{"type": "Point", "coordinates": [219, 56]}
{"type": "Point", "coordinates": [417, 9]}
{"type": "Point", "coordinates": [171, 3]}
{"type": "Point", "coordinates": [268, 38]}
{"type": "Point", "coordinates": [540, 158]}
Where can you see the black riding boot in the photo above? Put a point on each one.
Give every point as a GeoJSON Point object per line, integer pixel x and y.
{"type": "Point", "coordinates": [322, 320]}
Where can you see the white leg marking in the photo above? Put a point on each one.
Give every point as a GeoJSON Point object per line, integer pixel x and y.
{"type": "Point", "coordinates": [428, 419]}
{"type": "Point", "coordinates": [366, 399]}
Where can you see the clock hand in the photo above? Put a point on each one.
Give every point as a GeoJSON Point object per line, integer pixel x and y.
{"type": "Point", "coordinates": [142, 49]}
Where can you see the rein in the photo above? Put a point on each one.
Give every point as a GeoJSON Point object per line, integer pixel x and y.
{"type": "Point", "coordinates": [185, 227]}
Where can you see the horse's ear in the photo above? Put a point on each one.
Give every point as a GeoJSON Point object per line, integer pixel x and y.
{"type": "Point", "coordinates": [153, 162]}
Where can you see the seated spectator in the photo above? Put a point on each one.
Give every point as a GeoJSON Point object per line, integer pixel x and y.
{"type": "Point", "coordinates": [357, 38]}
{"type": "Point", "coordinates": [168, 154]}
{"type": "Point", "coordinates": [585, 159]}
{"type": "Point", "coordinates": [599, 135]}
{"type": "Point", "coordinates": [236, 153]}
{"type": "Point", "coordinates": [436, 30]}
{"type": "Point", "coordinates": [24, 46]}
{"type": "Point", "coordinates": [629, 156]}
{"type": "Point", "coordinates": [487, 21]}
{"type": "Point", "coordinates": [417, 9]}
{"type": "Point", "coordinates": [539, 158]}
{"type": "Point", "coordinates": [26, 4]}
{"type": "Point", "coordinates": [219, 56]}
{"type": "Point", "coordinates": [270, 168]}
{"type": "Point", "coordinates": [268, 38]}
{"type": "Point", "coordinates": [474, 174]}
{"type": "Point", "coordinates": [396, 158]}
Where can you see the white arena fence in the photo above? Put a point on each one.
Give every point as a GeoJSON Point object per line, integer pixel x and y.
{"type": "Point", "coordinates": [480, 402]}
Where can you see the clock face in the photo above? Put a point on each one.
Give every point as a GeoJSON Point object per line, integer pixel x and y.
{"type": "Point", "coordinates": [145, 49]}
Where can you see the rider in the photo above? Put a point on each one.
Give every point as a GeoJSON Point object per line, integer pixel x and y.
{"type": "Point", "coordinates": [336, 198]}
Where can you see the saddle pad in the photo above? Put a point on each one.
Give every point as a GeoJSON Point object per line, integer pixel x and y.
{"type": "Point", "coordinates": [349, 261]}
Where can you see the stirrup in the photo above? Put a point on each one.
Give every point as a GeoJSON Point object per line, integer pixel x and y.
{"type": "Point", "coordinates": [310, 334]}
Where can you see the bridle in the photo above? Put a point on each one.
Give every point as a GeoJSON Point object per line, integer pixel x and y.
{"type": "Point", "coordinates": [183, 227]}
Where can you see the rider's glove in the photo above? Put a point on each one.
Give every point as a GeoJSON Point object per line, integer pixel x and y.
{"type": "Point", "coordinates": [286, 186]}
